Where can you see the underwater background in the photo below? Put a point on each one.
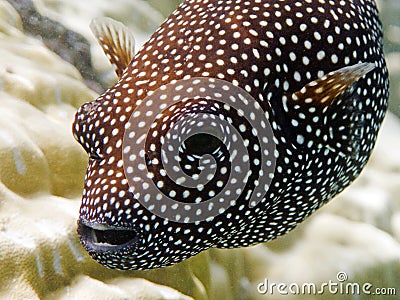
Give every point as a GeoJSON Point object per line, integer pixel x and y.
{"type": "Point", "coordinates": [50, 64]}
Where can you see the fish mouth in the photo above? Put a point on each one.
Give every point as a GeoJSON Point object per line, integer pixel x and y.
{"type": "Point", "coordinates": [97, 237]}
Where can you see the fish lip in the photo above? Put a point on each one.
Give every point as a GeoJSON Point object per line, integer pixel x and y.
{"type": "Point", "coordinates": [91, 232]}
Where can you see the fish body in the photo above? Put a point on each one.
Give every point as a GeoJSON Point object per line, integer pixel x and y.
{"type": "Point", "coordinates": [313, 71]}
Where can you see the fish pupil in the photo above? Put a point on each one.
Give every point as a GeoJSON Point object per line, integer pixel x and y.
{"type": "Point", "coordinates": [202, 143]}
{"type": "Point", "coordinates": [196, 147]}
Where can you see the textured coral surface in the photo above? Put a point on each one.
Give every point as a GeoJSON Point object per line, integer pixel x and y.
{"type": "Point", "coordinates": [41, 176]}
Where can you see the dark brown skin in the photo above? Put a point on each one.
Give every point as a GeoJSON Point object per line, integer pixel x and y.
{"type": "Point", "coordinates": [318, 74]}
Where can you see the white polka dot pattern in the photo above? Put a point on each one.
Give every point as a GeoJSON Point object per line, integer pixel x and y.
{"type": "Point", "coordinates": [317, 71]}
{"type": "Point", "coordinates": [197, 108]}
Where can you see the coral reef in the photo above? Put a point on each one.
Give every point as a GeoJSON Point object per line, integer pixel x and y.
{"type": "Point", "coordinates": [71, 46]}
{"type": "Point", "coordinates": [41, 173]}
{"type": "Point", "coordinates": [41, 176]}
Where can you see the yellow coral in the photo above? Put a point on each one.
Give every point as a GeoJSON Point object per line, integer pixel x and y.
{"type": "Point", "coordinates": [41, 176]}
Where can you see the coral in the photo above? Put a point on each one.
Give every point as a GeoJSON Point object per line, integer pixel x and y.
{"type": "Point", "coordinates": [41, 176]}
{"type": "Point", "coordinates": [71, 46]}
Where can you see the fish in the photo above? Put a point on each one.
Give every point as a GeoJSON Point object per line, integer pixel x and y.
{"type": "Point", "coordinates": [231, 125]}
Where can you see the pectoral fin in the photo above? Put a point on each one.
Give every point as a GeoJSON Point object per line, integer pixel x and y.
{"type": "Point", "coordinates": [326, 89]}
{"type": "Point", "coordinates": [116, 40]}
{"type": "Point", "coordinates": [327, 112]}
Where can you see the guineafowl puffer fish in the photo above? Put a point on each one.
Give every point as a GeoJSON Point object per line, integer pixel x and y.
{"type": "Point", "coordinates": [234, 122]}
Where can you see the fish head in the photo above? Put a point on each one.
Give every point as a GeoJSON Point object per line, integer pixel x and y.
{"type": "Point", "coordinates": [138, 213]}
{"type": "Point", "coordinates": [117, 226]}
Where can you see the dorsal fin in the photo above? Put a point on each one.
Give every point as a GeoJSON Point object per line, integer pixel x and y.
{"type": "Point", "coordinates": [116, 40]}
{"type": "Point", "coordinates": [327, 112]}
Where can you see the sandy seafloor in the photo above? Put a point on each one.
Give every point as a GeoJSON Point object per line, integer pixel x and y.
{"type": "Point", "coordinates": [42, 169]}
